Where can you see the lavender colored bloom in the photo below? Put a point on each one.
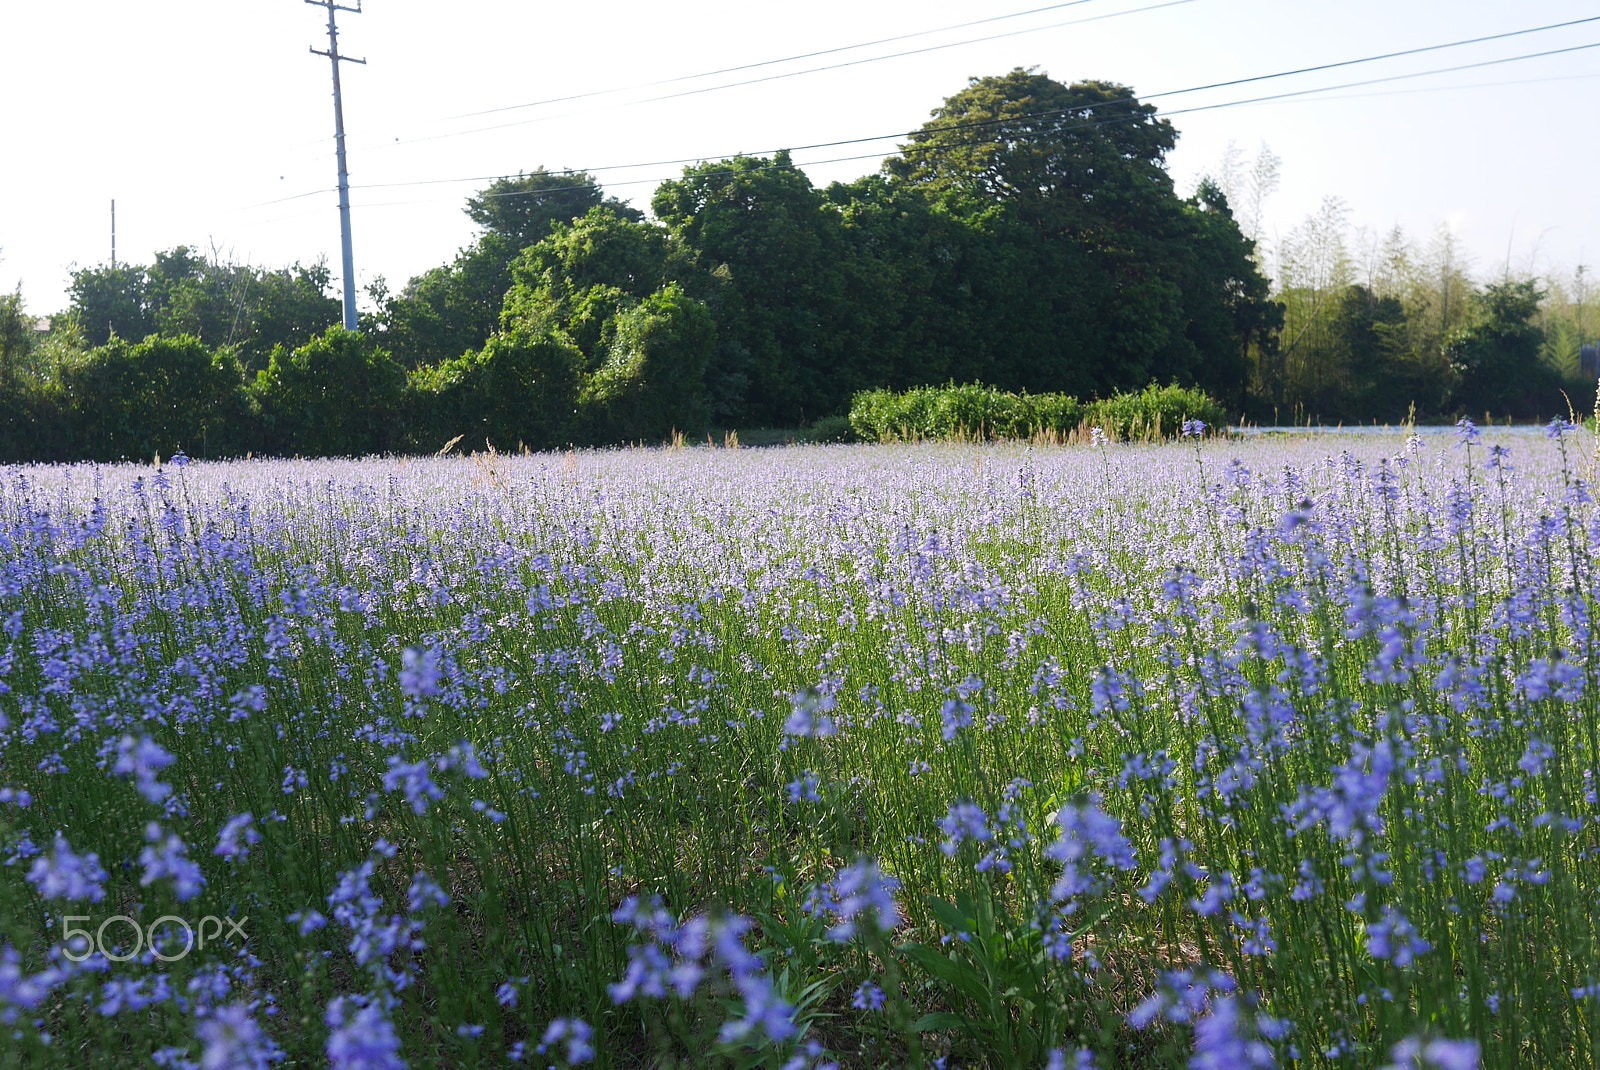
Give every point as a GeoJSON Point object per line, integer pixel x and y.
{"type": "Point", "coordinates": [64, 875]}
{"type": "Point", "coordinates": [419, 673]}
{"type": "Point", "coordinates": [142, 759]}
{"type": "Point", "coordinates": [965, 821]}
{"type": "Point", "coordinates": [1439, 1054]}
{"type": "Point", "coordinates": [863, 891]}
{"type": "Point", "coordinates": [1220, 1042]}
{"type": "Point", "coordinates": [809, 714]}
{"type": "Point", "coordinates": [578, 1035]}
{"type": "Point", "coordinates": [361, 1038]}
{"type": "Point", "coordinates": [1087, 832]}
{"type": "Point", "coordinates": [232, 1040]}
{"type": "Point", "coordinates": [955, 715]}
{"type": "Point", "coordinates": [237, 837]}
{"type": "Point", "coordinates": [764, 1012]}
{"type": "Point", "coordinates": [1393, 937]}
{"type": "Point", "coordinates": [424, 892]}
{"type": "Point", "coordinates": [1193, 428]}
{"type": "Point", "coordinates": [868, 997]}
{"type": "Point", "coordinates": [413, 779]}
{"type": "Point", "coordinates": [166, 857]}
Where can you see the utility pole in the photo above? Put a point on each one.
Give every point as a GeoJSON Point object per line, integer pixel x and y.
{"type": "Point", "coordinates": [113, 234]}
{"type": "Point", "coordinates": [344, 172]}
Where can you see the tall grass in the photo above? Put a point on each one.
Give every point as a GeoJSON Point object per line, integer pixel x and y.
{"type": "Point", "coordinates": [1242, 752]}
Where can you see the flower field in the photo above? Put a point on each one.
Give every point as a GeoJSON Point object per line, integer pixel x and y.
{"type": "Point", "coordinates": [1220, 753]}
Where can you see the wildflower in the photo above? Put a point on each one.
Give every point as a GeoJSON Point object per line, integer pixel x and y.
{"type": "Point", "coordinates": [419, 673]}
{"type": "Point", "coordinates": [805, 788]}
{"type": "Point", "coordinates": [64, 875]}
{"type": "Point", "coordinates": [233, 1041]}
{"type": "Point", "coordinates": [143, 759]}
{"type": "Point", "coordinates": [1466, 431]}
{"type": "Point", "coordinates": [238, 828]}
{"type": "Point", "coordinates": [1220, 1043]}
{"type": "Point", "coordinates": [868, 997]}
{"type": "Point", "coordinates": [1393, 937]}
{"type": "Point", "coordinates": [1193, 428]}
{"type": "Point", "coordinates": [863, 891]}
{"type": "Point", "coordinates": [424, 892]}
{"type": "Point", "coordinates": [362, 1039]}
{"type": "Point", "coordinates": [965, 821]}
{"type": "Point", "coordinates": [956, 715]}
{"type": "Point", "coordinates": [1558, 427]}
{"type": "Point", "coordinates": [1086, 831]}
{"type": "Point", "coordinates": [1439, 1054]}
{"type": "Point", "coordinates": [166, 858]}
{"type": "Point", "coordinates": [808, 715]}
{"type": "Point", "coordinates": [576, 1032]}
{"type": "Point", "coordinates": [413, 779]}
{"type": "Point", "coordinates": [1082, 1059]}
{"type": "Point", "coordinates": [764, 1011]}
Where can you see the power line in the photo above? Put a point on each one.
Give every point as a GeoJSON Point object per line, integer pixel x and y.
{"type": "Point", "coordinates": [774, 62]}
{"type": "Point", "coordinates": [788, 74]}
{"type": "Point", "coordinates": [1168, 3]}
{"type": "Point", "coordinates": [1132, 98]}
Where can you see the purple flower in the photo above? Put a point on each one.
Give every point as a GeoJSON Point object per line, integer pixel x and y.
{"type": "Point", "coordinates": [419, 673]}
{"type": "Point", "coordinates": [868, 997]}
{"type": "Point", "coordinates": [808, 716]}
{"type": "Point", "coordinates": [240, 828]}
{"type": "Point", "coordinates": [1220, 1043]}
{"type": "Point", "coordinates": [361, 1039]}
{"type": "Point", "coordinates": [965, 821]}
{"type": "Point", "coordinates": [143, 759]}
{"type": "Point", "coordinates": [424, 892]}
{"type": "Point", "coordinates": [64, 875]}
{"type": "Point", "coordinates": [413, 779]}
{"type": "Point", "coordinates": [956, 715]}
{"type": "Point", "coordinates": [1414, 1052]}
{"type": "Point", "coordinates": [863, 891]}
{"type": "Point", "coordinates": [576, 1032]}
{"type": "Point", "coordinates": [1393, 937]}
{"type": "Point", "coordinates": [233, 1041]}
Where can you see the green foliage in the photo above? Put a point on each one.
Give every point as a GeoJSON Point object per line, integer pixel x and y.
{"type": "Point", "coordinates": [968, 411]}
{"type": "Point", "coordinates": [449, 310]}
{"type": "Point", "coordinates": [222, 304]}
{"type": "Point", "coordinates": [653, 378]}
{"type": "Point", "coordinates": [829, 429]}
{"type": "Point", "coordinates": [528, 208]}
{"type": "Point", "coordinates": [1155, 412]}
{"type": "Point", "coordinates": [135, 400]}
{"type": "Point", "coordinates": [1496, 358]}
{"type": "Point", "coordinates": [974, 411]}
{"type": "Point", "coordinates": [520, 390]}
{"type": "Point", "coordinates": [337, 395]}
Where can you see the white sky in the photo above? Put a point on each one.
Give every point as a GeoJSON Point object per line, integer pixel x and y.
{"type": "Point", "coordinates": [192, 115]}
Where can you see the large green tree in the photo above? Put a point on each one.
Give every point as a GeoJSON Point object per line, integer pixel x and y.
{"type": "Point", "coordinates": [1092, 274]}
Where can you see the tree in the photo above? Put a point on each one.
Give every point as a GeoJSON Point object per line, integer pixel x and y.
{"type": "Point", "coordinates": [653, 379]}
{"type": "Point", "coordinates": [525, 209]}
{"type": "Point", "coordinates": [1091, 274]}
{"type": "Point", "coordinates": [337, 395]}
{"type": "Point", "coordinates": [520, 390]}
{"type": "Point", "coordinates": [133, 400]}
{"type": "Point", "coordinates": [1496, 358]}
{"type": "Point", "coordinates": [452, 309]}
{"type": "Point", "coordinates": [782, 314]}
{"type": "Point", "coordinates": [219, 302]}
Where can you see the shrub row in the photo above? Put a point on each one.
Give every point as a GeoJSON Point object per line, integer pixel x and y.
{"type": "Point", "coordinates": [974, 411]}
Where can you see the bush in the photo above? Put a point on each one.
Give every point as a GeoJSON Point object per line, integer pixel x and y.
{"type": "Point", "coordinates": [653, 378]}
{"type": "Point", "coordinates": [1155, 412]}
{"type": "Point", "coordinates": [136, 400]}
{"type": "Point", "coordinates": [520, 390]}
{"type": "Point", "coordinates": [338, 395]}
{"type": "Point", "coordinates": [969, 411]}
{"type": "Point", "coordinates": [975, 411]}
{"type": "Point", "coordinates": [829, 429]}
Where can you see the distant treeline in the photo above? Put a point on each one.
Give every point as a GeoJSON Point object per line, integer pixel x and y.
{"type": "Point", "coordinates": [1028, 237]}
